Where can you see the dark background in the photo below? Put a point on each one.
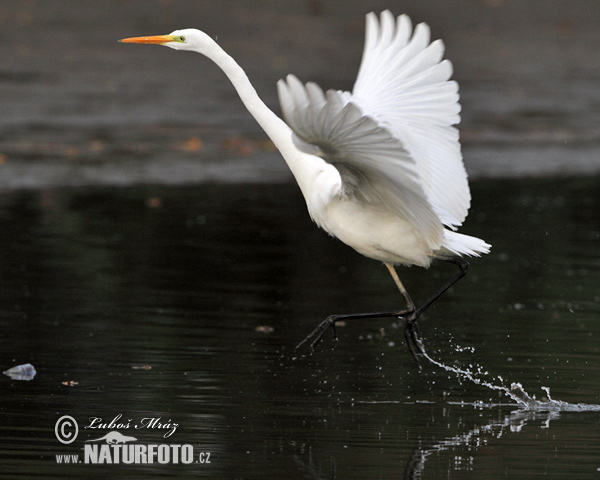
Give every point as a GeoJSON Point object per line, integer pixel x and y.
{"type": "Point", "coordinates": [78, 107]}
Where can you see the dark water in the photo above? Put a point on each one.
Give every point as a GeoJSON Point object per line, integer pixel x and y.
{"type": "Point", "coordinates": [186, 303]}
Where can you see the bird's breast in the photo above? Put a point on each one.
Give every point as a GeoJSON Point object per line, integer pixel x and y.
{"type": "Point", "coordinates": [374, 231]}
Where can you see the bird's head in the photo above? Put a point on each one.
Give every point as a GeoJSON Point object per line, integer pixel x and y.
{"type": "Point", "coordinates": [186, 39]}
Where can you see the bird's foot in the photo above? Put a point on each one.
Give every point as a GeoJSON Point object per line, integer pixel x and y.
{"type": "Point", "coordinates": [320, 332]}
{"type": "Point", "coordinates": [413, 339]}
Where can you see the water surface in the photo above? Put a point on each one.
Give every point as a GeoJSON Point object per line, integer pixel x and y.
{"type": "Point", "coordinates": [185, 303]}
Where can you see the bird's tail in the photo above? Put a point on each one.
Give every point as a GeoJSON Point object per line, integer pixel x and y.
{"type": "Point", "coordinates": [459, 244]}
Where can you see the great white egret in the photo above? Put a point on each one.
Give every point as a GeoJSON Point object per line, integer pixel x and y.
{"type": "Point", "coordinates": [380, 167]}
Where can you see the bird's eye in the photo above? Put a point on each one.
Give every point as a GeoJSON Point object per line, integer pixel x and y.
{"type": "Point", "coordinates": [181, 39]}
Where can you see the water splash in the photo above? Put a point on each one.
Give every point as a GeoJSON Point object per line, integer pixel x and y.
{"type": "Point", "coordinates": [516, 391]}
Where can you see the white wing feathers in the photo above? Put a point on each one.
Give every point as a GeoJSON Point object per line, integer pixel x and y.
{"type": "Point", "coordinates": [392, 138]}
{"type": "Point", "coordinates": [373, 164]}
{"type": "Point", "coordinates": [403, 83]}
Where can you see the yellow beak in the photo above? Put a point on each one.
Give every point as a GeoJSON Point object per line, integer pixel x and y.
{"type": "Point", "coordinates": [157, 39]}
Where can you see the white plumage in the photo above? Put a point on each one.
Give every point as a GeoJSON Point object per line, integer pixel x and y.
{"type": "Point", "coordinates": [394, 145]}
{"type": "Point", "coordinates": [380, 167]}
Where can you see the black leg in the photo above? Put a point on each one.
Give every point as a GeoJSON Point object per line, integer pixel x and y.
{"type": "Point", "coordinates": [411, 330]}
{"type": "Point", "coordinates": [462, 265]}
{"type": "Point", "coordinates": [333, 319]}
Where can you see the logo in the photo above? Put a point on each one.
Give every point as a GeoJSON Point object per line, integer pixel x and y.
{"type": "Point", "coordinates": [114, 438]}
{"type": "Point", "coordinates": [115, 447]}
{"type": "Point", "coordinates": [63, 429]}
{"type": "Point", "coordinates": [147, 423]}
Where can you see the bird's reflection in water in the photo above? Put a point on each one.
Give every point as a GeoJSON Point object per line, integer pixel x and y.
{"type": "Point", "coordinates": [463, 446]}
{"type": "Point", "coordinates": [474, 439]}
{"type": "Point", "coordinates": [527, 410]}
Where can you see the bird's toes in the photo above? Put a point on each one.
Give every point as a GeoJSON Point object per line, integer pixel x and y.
{"type": "Point", "coordinates": [318, 334]}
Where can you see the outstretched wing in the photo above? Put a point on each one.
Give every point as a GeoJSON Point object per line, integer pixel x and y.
{"type": "Point", "coordinates": [404, 85]}
{"type": "Point", "coordinates": [373, 164]}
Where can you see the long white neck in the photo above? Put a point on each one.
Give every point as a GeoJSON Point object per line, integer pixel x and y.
{"type": "Point", "coordinates": [277, 130]}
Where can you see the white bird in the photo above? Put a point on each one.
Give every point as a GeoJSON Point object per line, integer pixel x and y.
{"type": "Point", "coordinates": [380, 167]}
